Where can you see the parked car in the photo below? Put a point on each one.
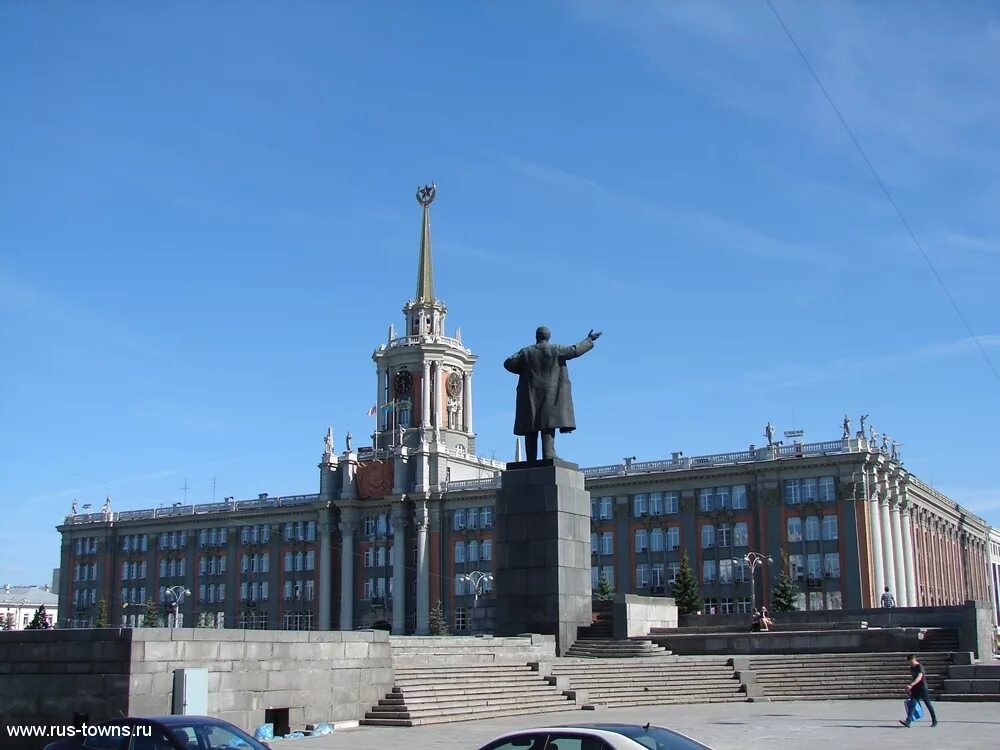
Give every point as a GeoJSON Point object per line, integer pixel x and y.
{"type": "Point", "coordinates": [596, 737]}
{"type": "Point", "coordinates": [161, 733]}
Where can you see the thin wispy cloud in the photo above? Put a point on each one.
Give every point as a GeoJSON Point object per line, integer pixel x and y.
{"type": "Point", "coordinates": [546, 174]}
{"type": "Point", "coordinates": [795, 375]}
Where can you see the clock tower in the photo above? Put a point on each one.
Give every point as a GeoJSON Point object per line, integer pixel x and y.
{"type": "Point", "coordinates": [424, 391]}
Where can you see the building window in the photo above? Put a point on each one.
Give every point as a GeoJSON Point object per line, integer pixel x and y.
{"type": "Point", "coordinates": [705, 499]}
{"type": "Point", "coordinates": [724, 535]}
{"type": "Point", "coordinates": [458, 520]}
{"type": "Point", "coordinates": [740, 535]}
{"type": "Point", "coordinates": [657, 579]}
{"type": "Point", "coordinates": [656, 503]}
{"type": "Point", "coordinates": [722, 498]}
{"type": "Point", "coordinates": [607, 543]}
{"type": "Point", "coordinates": [486, 517]}
{"type": "Point", "coordinates": [831, 565]}
{"type": "Point", "coordinates": [656, 540]}
{"type": "Point", "coordinates": [487, 549]}
{"type": "Point", "coordinates": [795, 567]}
{"type": "Point", "coordinates": [641, 540]}
{"type": "Point", "coordinates": [814, 567]}
{"type": "Point", "coordinates": [815, 600]}
{"type": "Point", "coordinates": [472, 517]}
{"type": "Point", "coordinates": [707, 536]}
{"type": "Point", "coordinates": [830, 527]}
{"type": "Point", "coordinates": [794, 529]}
{"type": "Point", "coordinates": [725, 571]}
{"type": "Point", "coordinates": [827, 493]}
{"type": "Point", "coordinates": [640, 505]}
{"type": "Point", "coordinates": [809, 491]}
{"type": "Point", "coordinates": [792, 493]}
{"type": "Point", "coordinates": [727, 605]}
{"type": "Point", "coordinates": [708, 572]}
{"type": "Point", "coordinates": [739, 497]}
{"type": "Point", "coordinates": [461, 619]}
{"type": "Point", "coordinates": [673, 537]}
{"type": "Point", "coordinates": [607, 508]}
{"type": "Point", "coordinates": [812, 528]}
{"type": "Point", "coordinates": [834, 600]}
{"type": "Point", "coordinates": [473, 552]}
{"type": "Point", "coordinates": [460, 552]}
{"type": "Point", "coordinates": [711, 606]}
{"type": "Point", "coordinates": [743, 605]}
{"type": "Point", "coordinates": [310, 590]}
{"type": "Point", "coordinates": [459, 585]}
{"type": "Point", "coordinates": [672, 502]}
{"type": "Point", "coordinates": [641, 576]}
{"type": "Point", "coordinates": [310, 560]}
{"type": "Point", "coordinates": [741, 572]}
{"type": "Point", "coordinates": [288, 561]}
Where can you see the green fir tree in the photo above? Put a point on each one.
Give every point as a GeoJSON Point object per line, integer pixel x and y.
{"type": "Point", "coordinates": [438, 625]}
{"type": "Point", "coordinates": [605, 591]}
{"type": "Point", "coordinates": [40, 621]}
{"type": "Point", "coordinates": [151, 615]}
{"type": "Point", "coordinates": [686, 594]}
{"type": "Point", "coordinates": [8, 622]}
{"type": "Point", "coordinates": [102, 615]}
{"type": "Point", "coordinates": [784, 594]}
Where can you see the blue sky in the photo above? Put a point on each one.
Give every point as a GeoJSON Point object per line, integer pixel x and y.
{"type": "Point", "coordinates": [208, 224]}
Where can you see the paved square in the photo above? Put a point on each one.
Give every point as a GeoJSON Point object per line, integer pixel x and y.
{"type": "Point", "coordinates": [807, 725]}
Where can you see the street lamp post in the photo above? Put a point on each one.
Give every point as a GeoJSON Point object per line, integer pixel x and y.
{"type": "Point", "coordinates": [477, 578]}
{"type": "Point", "coordinates": [753, 560]}
{"type": "Point", "coordinates": [175, 596]}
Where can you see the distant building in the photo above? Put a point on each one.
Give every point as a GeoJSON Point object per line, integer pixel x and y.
{"type": "Point", "coordinates": [55, 581]}
{"type": "Point", "coordinates": [22, 602]}
{"type": "Point", "coordinates": [400, 524]}
{"type": "Point", "coordinates": [995, 574]}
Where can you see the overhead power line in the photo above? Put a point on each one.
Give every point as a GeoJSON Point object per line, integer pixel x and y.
{"type": "Point", "coordinates": [885, 190]}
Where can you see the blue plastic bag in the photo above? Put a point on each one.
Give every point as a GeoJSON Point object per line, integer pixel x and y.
{"type": "Point", "coordinates": [320, 730]}
{"type": "Point", "coordinates": [264, 732]}
{"type": "Point", "coordinates": [913, 709]}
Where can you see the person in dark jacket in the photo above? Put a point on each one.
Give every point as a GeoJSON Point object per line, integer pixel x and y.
{"type": "Point", "coordinates": [544, 392]}
{"type": "Point", "coordinates": [917, 689]}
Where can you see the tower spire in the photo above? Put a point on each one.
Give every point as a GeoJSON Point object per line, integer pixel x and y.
{"type": "Point", "coordinates": [425, 270]}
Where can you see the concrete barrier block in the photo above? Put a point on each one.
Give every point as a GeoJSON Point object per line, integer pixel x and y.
{"type": "Point", "coordinates": [199, 651]}
{"type": "Point", "coordinates": [987, 672]}
{"type": "Point", "coordinates": [962, 672]}
{"type": "Point", "coordinates": [985, 686]}
{"type": "Point", "coordinates": [159, 651]}
{"type": "Point", "coordinates": [957, 686]}
{"type": "Point", "coordinates": [355, 650]}
{"type": "Point", "coordinates": [242, 680]}
{"type": "Point", "coordinates": [140, 684]}
{"type": "Point", "coordinates": [367, 636]}
{"type": "Point", "coordinates": [257, 650]}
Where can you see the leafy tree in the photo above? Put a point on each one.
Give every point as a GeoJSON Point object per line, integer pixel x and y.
{"type": "Point", "coordinates": [783, 596]}
{"type": "Point", "coordinates": [151, 615]}
{"type": "Point", "coordinates": [40, 621]}
{"type": "Point", "coordinates": [8, 622]}
{"type": "Point", "coordinates": [438, 625]}
{"type": "Point", "coordinates": [102, 615]}
{"type": "Point", "coordinates": [605, 591]}
{"type": "Point", "coordinates": [686, 593]}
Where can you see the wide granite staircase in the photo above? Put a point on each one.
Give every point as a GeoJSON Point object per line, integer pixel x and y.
{"type": "Point", "coordinates": [939, 639]}
{"type": "Point", "coordinates": [660, 680]}
{"type": "Point", "coordinates": [615, 649]}
{"type": "Point", "coordinates": [839, 676]}
{"type": "Point", "coordinates": [435, 695]}
{"type": "Point", "coordinates": [973, 682]}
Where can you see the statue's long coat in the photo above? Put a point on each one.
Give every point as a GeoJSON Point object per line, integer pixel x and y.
{"type": "Point", "coordinates": [544, 393]}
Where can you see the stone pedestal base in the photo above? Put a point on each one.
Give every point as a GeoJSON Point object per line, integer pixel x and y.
{"type": "Point", "coordinates": [542, 565]}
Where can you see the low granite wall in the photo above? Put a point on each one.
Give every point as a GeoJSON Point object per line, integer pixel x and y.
{"type": "Point", "coordinates": [431, 651]}
{"type": "Point", "coordinates": [51, 676]}
{"type": "Point", "coordinates": [971, 620]}
{"type": "Point", "coordinates": [637, 615]}
{"type": "Point", "coordinates": [801, 642]}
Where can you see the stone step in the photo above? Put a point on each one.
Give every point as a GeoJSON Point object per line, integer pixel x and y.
{"type": "Point", "coordinates": [969, 697]}
{"type": "Point", "coordinates": [417, 709]}
{"type": "Point", "coordinates": [658, 700]}
{"type": "Point", "coordinates": [469, 679]}
{"type": "Point", "coordinates": [464, 668]}
{"type": "Point", "coordinates": [445, 719]}
{"type": "Point", "coordinates": [431, 692]}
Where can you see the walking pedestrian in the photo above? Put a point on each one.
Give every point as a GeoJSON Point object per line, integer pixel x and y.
{"type": "Point", "coordinates": [888, 600]}
{"type": "Point", "coordinates": [917, 690]}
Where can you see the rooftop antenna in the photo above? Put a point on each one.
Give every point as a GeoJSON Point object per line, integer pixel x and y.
{"type": "Point", "coordinates": [185, 488]}
{"type": "Point", "coordinates": [213, 488]}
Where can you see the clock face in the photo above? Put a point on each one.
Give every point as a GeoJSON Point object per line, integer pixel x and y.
{"type": "Point", "coordinates": [403, 384]}
{"type": "Point", "coordinates": [454, 384]}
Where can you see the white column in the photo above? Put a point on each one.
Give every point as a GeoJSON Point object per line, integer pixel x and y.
{"type": "Point", "coordinates": [399, 568]}
{"type": "Point", "coordinates": [425, 397]}
{"type": "Point", "coordinates": [423, 573]}
{"type": "Point", "coordinates": [888, 569]}
{"type": "Point", "coordinates": [325, 584]}
{"type": "Point", "coordinates": [909, 558]}
{"type": "Point", "coordinates": [876, 538]}
{"type": "Point", "coordinates": [467, 401]}
{"type": "Point", "coordinates": [897, 553]}
{"type": "Point", "coordinates": [380, 398]}
{"type": "Point", "coordinates": [347, 577]}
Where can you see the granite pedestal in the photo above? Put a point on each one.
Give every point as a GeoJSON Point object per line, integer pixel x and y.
{"type": "Point", "coordinates": [542, 559]}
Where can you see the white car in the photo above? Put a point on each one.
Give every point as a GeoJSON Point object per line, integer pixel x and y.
{"type": "Point", "coordinates": [596, 737]}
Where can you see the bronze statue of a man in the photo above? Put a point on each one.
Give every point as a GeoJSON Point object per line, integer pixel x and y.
{"type": "Point", "coordinates": [544, 393]}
